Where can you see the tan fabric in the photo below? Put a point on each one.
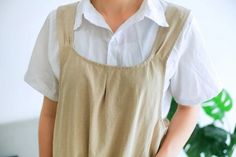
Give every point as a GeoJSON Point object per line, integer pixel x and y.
{"type": "Point", "coordinates": [111, 111]}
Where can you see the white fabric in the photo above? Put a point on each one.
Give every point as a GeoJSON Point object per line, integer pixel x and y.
{"type": "Point", "coordinates": [190, 75]}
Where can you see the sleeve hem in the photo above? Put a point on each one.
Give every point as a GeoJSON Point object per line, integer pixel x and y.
{"type": "Point", "coordinates": [200, 100]}
{"type": "Point", "coordinates": [34, 83]}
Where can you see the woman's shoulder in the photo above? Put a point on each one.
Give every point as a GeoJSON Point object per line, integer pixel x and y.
{"type": "Point", "coordinates": [51, 17]}
{"type": "Point", "coordinates": [68, 5]}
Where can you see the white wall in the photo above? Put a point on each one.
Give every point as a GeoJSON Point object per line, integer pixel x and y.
{"type": "Point", "coordinates": [19, 27]}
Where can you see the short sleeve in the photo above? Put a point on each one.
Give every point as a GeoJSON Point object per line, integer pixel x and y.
{"type": "Point", "coordinates": [39, 74]}
{"type": "Point", "coordinates": [195, 79]}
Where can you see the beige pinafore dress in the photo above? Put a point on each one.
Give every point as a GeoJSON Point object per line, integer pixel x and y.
{"type": "Point", "coordinates": [111, 111]}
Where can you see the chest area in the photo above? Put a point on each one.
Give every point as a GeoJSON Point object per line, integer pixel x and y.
{"type": "Point", "coordinates": [128, 46]}
{"type": "Point", "coordinates": [78, 72]}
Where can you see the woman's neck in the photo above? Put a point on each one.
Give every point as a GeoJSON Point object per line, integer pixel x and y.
{"type": "Point", "coordinates": [116, 7]}
{"type": "Point", "coordinates": [115, 12]}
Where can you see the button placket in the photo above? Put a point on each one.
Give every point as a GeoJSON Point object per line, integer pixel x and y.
{"type": "Point", "coordinates": [111, 50]}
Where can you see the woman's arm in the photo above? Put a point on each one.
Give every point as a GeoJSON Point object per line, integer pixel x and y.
{"type": "Point", "coordinates": [180, 129]}
{"type": "Point", "coordinates": [46, 126]}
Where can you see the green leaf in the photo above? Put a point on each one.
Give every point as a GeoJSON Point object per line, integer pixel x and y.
{"type": "Point", "coordinates": [232, 143]}
{"type": "Point", "coordinates": [209, 140]}
{"type": "Point", "coordinates": [173, 107]}
{"type": "Point", "coordinates": [217, 106]}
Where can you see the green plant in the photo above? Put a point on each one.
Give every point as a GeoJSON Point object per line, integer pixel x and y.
{"type": "Point", "coordinates": [211, 140]}
{"type": "Point", "coordinates": [218, 106]}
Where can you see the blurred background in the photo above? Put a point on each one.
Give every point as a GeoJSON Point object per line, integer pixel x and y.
{"type": "Point", "coordinates": [20, 104]}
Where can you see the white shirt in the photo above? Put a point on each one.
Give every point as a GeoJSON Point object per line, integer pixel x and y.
{"type": "Point", "coordinates": [190, 75]}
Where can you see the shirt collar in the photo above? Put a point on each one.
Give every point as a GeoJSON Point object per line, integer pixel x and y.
{"type": "Point", "coordinates": [152, 9]}
{"type": "Point", "coordinates": [155, 10]}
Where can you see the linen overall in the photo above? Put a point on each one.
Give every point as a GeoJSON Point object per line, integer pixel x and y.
{"type": "Point", "coordinates": [111, 111]}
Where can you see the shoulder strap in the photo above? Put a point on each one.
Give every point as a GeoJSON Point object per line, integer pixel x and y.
{"type": "Point", "coordinates": [65, 17]}
{"type": "Point", "coordinates": [176, 17]}
{"type": "Point", "coordinates": [65, 22]}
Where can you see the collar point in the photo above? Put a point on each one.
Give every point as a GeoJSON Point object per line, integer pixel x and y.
{"type": "Point", "coordinates": [166, 25]}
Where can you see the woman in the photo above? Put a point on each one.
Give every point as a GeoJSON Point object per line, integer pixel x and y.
{"type": "Point", "coordinates": [119, 63]}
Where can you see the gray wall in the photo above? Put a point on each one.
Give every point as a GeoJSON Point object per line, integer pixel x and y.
{"type": "Point", "coordinates": [19, 138]}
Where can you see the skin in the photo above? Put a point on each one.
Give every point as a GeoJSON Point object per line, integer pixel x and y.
{"type": "Point", "coordinates": [115, 12]}
{"type": "Point", "coordinates": [46, 127]}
